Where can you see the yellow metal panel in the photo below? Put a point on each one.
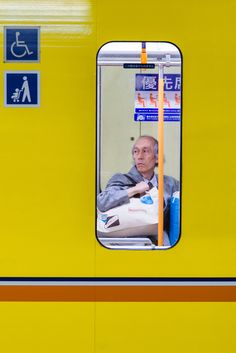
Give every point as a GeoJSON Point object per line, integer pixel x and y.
{"type": "Point", "coordinates": [47, 153]}
{"type": "Point", "coordinates": [47, 180]}
{"type": "Point", "coordinates": [47, 327]}
{"type": "Point", "coordinates": [204, 32]}
{"type": "Point", "coordinates": [165, 327]}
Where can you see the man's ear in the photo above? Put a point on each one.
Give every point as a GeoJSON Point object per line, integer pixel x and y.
{"type": "Point", "coordinates": [164, 160]}
{"type": "Point", "coordinates": [156, 164]}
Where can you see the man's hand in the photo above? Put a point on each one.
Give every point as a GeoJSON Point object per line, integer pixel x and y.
{"type": "Point", "coordinates": [138, 189]}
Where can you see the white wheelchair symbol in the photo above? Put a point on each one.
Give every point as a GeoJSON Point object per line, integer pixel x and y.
{"type": "Point", "coordinates": [20, 44]}
{"type": "Point", "coordinates": [16, 96]}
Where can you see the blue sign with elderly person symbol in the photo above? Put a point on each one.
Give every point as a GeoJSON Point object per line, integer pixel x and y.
{"type": "Point", "coordinates": [146, 97]}
{"type": "Point", "coordinates": [22, 89]}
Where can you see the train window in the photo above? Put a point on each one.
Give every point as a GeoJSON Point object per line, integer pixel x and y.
{"type": "Point", "coordinates": [139, 99]}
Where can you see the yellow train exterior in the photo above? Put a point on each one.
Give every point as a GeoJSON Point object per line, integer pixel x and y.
{"type": "Point", "coordinates": [48, 167]}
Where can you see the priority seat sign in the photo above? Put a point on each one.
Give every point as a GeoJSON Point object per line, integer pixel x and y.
{"type": "Point", "coordinates": [21, 89]}
{"type": "Point", "coordinates": [146, 97]}
{"type": "Point", "coordinates": [21, 44]}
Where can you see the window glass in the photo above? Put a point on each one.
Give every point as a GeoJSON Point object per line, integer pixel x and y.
{"type": "Point", "coordinates": [130, 135]}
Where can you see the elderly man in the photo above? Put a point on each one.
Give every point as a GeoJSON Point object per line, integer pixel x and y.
{"type": "Point", "coordinates": [140, 178]}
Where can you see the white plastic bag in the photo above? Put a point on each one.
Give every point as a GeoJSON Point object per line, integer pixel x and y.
{"type": "Point", "coordinates": [137, 218]}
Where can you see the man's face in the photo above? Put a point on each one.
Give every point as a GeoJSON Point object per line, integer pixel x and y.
{"type": "Point", "coordinates": [143, 154]}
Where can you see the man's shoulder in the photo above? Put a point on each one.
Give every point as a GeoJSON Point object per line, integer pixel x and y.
{"type": "Point", "coordinates": [132, 177]}
{"type": "Point", "coordinates": [171, 182]}
{"type": "Point", "coordinates": [170, 178]}
{"type": "Point", "coordinates": [119, 179]}
{"type": "Point", "coordinates": [118, 176]}
{"type": "Point", "coordinates": [134, 174]}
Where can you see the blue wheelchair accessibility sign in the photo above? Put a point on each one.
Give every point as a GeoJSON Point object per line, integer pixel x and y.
{"type": "Point", "coordinates": [21, 44]}
{"type": "Point", "coordinates": [22, 89]}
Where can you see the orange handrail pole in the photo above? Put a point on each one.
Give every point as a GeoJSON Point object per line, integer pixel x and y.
{"type": "Point", "coordinates": [143, 56]}
{"type": "Point", "coordinates": [160, 237]}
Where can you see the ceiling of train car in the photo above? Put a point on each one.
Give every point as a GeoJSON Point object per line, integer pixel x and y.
{"type": "Point", "coordinates": [119, 52]}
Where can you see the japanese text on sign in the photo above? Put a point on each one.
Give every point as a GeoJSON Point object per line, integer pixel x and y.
{"type": "Point", "coordinates": [146, 97]}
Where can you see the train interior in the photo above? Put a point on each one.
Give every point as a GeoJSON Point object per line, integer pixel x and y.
{"type": "Point", "coordinates": [118, 127]}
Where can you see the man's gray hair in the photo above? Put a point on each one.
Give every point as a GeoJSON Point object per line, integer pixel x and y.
{"type": "Point", "coordinates": [153, 139]}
